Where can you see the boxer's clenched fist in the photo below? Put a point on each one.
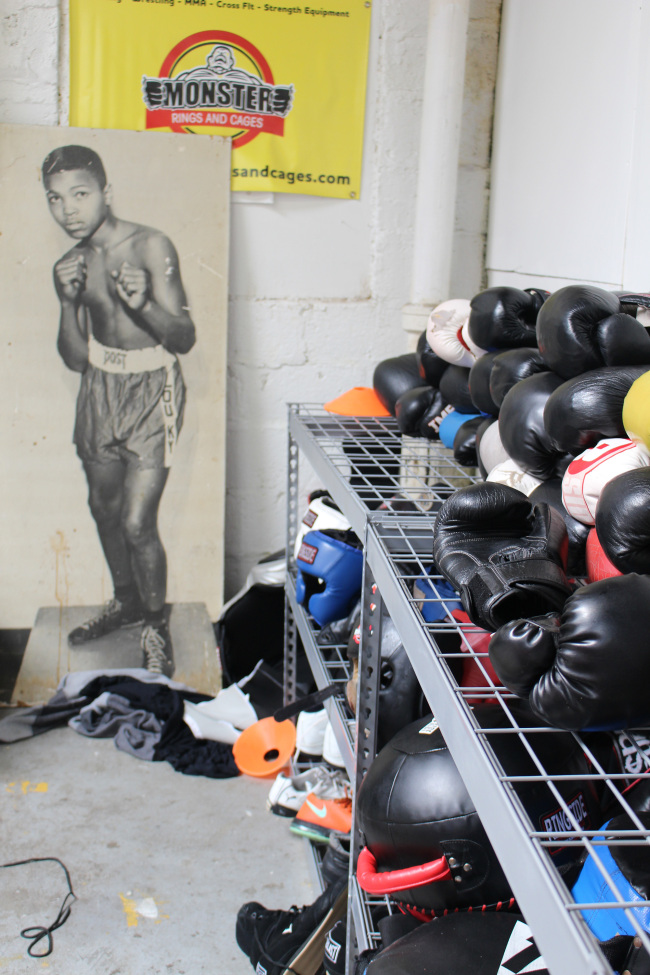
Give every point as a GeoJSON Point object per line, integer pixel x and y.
{"type": "Point", "coordinates": [70, 277]}
{"type": "Point", "coordinates": [132, 285]}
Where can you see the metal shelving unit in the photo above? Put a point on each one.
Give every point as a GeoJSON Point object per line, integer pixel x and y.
{"type": "Point", "coordinates": [389, 488]}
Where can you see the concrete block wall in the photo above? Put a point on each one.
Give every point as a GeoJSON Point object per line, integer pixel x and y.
{"type": "Point", "coordinates": [29, 61]}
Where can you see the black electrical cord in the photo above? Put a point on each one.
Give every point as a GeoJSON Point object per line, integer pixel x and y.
{"type": "Point", "coordinates": [37, 933]}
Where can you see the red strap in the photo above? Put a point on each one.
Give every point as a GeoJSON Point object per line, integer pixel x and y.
{"type": "Point", "coordinates": [391, 881]}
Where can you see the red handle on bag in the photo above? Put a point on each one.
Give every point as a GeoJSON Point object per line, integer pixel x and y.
{"type": "Point", "coordinates": [391, 881]}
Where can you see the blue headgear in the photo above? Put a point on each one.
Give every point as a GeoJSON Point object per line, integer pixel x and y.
{"type": "Point", "coordinates": [592, 888]}
{"type": "Point", "coordinates": [329, 575]}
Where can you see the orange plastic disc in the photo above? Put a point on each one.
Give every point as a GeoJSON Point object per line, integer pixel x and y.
{"type": "Point", "coordinates": [265, 747]}
{"type": "Point", "coordinates": [358, 401]}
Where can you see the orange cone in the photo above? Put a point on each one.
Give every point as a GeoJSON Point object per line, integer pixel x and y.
{"type": "Point", "coordinates": [265, 747]}
{"type": "Point", "coordinates": [358, 401]}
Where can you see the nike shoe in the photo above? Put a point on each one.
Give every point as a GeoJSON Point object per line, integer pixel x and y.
{"type": "Point", "coordinates": [310, 731]}
{"type": "Point", "coordinates": [288, 792]}
{"type": "Point", "coordinates": [290, 942]}
{"type": "Point", "coordinates": [318, 818]}
{"type": "Point", "coordinates": [156, 646]}
{"type": "Point", "coordinates": [114, 615]}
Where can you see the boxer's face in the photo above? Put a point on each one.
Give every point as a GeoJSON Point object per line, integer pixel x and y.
{"type": "Point", "coordinates": [77, 202]}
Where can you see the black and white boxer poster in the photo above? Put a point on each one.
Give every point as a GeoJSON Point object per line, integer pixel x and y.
{"type": "Point", "coordinates": [113, 262]}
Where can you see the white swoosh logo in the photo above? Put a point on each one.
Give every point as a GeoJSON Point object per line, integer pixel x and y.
{"type": "Point", "coordinates": [321, 812]}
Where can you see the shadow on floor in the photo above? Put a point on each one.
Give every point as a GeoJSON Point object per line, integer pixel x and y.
{"type": "Point", "coordinates": [12, 648]}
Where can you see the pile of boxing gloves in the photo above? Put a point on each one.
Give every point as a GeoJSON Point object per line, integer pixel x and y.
{"type": "Point", "coordinates": [549, 395]}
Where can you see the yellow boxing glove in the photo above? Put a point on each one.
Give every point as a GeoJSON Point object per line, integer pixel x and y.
{"type": "Point", "coordinates": [636, 412]}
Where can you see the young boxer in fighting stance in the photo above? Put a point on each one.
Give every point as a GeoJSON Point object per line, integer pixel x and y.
{"type": "Point", "coordinates": [124, 319]}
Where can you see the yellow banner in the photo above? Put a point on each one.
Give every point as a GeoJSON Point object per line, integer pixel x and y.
{"type": "Point", "coordinates": [287, 83]}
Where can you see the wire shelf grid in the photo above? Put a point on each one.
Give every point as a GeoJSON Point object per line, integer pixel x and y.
{"type": "Point", "coordinates": [390, 488]}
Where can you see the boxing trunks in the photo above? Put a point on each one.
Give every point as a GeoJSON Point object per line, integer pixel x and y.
{"type": "Point", "coordinates": [130, 406]}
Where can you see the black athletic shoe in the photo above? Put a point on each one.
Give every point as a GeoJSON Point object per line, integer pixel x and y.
{"type": "Point", "coordinates": [293, 941]}
{"type": "Point", "coordinates": [336, 860]}
{"type": "Point", "coordinates": [156, 646]}
{"type": "Point", "coordinates": [114, 616]}
{"type": "Point", "coordinates": [334, 951]}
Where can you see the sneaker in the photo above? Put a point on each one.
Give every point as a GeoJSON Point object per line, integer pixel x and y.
{"type": "Point", "coordinates": [293, 941]}
{"type": "Point", "coordinates": [334, 951]}
{"type": "Point", "coordinates": [331, 751]}
{"type": "Point", "coordinates": [288, 792]}
{"type": "Point", "coordinates": [336, 861]}
{"type": "Point", "coordinates": [310, 731]}
{"type": "Point", "coordinates": [113, 616]}
{"type": "Point", "coordinates": [318, 818]}
{"type": "Point", "coordinates": [156, 645]}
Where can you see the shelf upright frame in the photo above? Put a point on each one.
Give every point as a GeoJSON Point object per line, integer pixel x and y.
{"type": "Point", "coordinates": [290, 629]}
{"type": "Point", "coordinates": [367, 706]}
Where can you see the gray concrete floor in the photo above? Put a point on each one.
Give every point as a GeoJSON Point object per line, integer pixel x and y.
{"type": "Point", "coordinates": [160, 862]}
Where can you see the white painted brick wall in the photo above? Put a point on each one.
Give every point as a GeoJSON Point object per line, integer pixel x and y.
{"type": "Point", "coordinates": [29, 44]}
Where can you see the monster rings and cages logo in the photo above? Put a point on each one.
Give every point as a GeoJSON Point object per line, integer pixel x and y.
{"type": "Point", "coordinates": [217, 80]}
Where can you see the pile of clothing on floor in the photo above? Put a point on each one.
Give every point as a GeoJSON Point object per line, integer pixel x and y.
{"type": "Point", "coordinates": [153, 717]}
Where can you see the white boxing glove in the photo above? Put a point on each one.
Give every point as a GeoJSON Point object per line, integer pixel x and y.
{"type": "Point", "coordinates": [509, 472]}
{"type": "Point", "coordinates": [491, 449]}
{"type": "Point", "coordinates": [590, 471]}
{"type": "Point", "coordinates": [448, 336]}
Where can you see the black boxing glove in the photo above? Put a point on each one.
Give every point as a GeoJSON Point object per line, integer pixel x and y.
{"type": "Point", "coordinates": [454, 386]}
{"type": "Point", "coordinates": [479, 384]}
{"type": "Point", "coordinates": [522, 430]}
{"type": "Point", "coordinates": [419, 412]}
{"type": "Point", "coordinates": [623, 521]}
{"type": "Point", "coordinates": [430, 365]}
{"type": "Point", "coordinates": [395, 376]}
{"type": "Point", "coordinates": [465, 449]}
{"type": "Point", "coordinates": [589, 408]}
{"type": "Point", "coordinates": [505, 557]}
{"type": "Point", "coordinates": [504, 317]}
{"type": "Point", "coordinates": [511, 367]}
{"type": "Point", "coordinates": [581, 328]}
{"type": "Point", "coordinates": [588, 667]}
{"type": "Point", "coordinates": [550, 492]}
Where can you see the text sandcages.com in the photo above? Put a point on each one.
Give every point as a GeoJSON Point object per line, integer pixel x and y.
{"type": "Point", "coordinates": [267, 172]}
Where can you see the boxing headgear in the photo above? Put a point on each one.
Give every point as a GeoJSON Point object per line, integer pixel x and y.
{"type": "Point", "coordinates": [425, 844]}
{"type": "Point", "coordinates": [629, 868]}
{"type": "Point", "coordinates": [321, 514]}
{"type": "Point", "coordinates": [330, 569]}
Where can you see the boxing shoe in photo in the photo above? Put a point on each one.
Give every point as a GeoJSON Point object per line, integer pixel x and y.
{"type": "Point", "coordinates": [156, 646]}
{"type": "Point", "coordinates": [114, 615]}
{"type": "Point", "coordinates": [290, 942]}
{"type": "Point", "coordinates": [310, 731]}
{"type": "Point", "coordinates": [318, 818]}
{"type": "Point", "coordinates": [288, 792]}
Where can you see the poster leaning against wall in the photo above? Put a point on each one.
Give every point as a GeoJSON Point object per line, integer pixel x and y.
{"type": "Point", "coordinates": [286, 82]}
{"type": "Point", "coordinates": [114, 269]}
